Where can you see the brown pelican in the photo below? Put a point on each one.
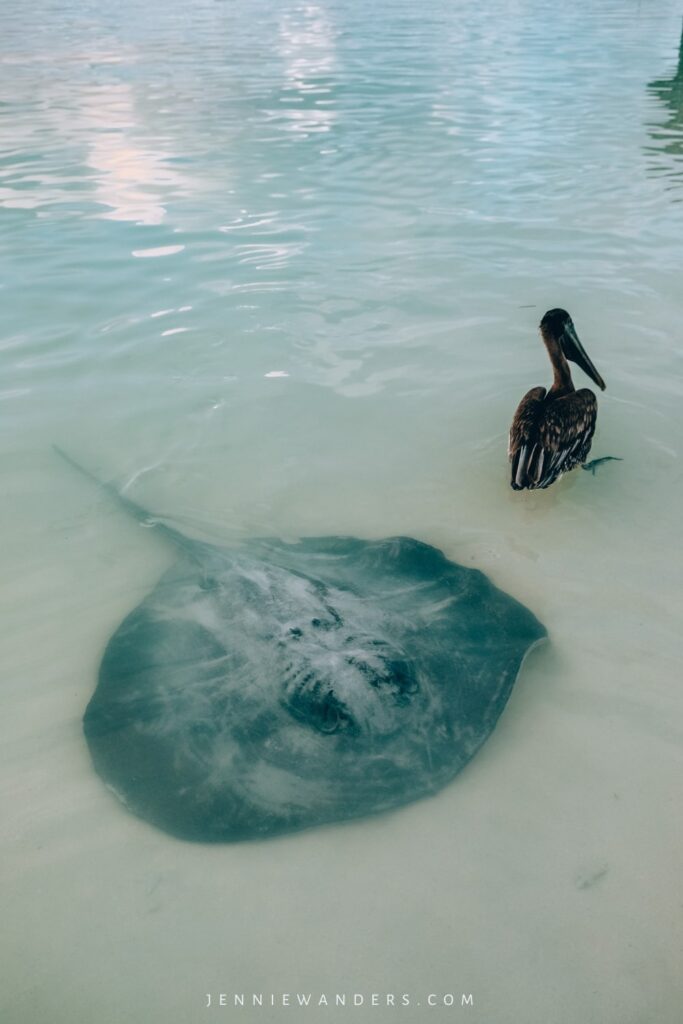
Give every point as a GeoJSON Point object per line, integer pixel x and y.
{"type": "Point", "coordinates": [552, 430]}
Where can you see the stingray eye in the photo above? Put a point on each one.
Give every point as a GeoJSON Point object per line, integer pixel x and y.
{"type": "Point", "coordinates": [314, 704]}
{"type": "Point", "coordinates": [330, 717]}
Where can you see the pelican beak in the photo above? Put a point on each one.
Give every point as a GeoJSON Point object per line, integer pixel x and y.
{"type": "Point", "coordinates": [574, 350]}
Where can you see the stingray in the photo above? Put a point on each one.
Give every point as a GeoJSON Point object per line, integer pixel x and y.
{"type": "Point", "coordinates": [273, 686]}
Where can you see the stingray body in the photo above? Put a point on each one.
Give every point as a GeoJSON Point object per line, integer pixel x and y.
{"type": "Point", "coordinates": [276, 686]}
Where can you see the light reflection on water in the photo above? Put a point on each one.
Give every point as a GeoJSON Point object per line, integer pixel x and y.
{"type": "Point", "coordinates": [277, 268]}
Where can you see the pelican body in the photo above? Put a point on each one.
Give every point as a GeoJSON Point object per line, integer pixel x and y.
{"type": "Point", "coordinates": [552, 431]}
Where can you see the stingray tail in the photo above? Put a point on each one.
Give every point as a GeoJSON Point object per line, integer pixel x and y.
{"type": "Point", "coordinates": [137, 511]}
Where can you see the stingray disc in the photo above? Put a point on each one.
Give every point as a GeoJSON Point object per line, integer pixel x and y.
{"type": "Point", "coordinates": [277, 686]}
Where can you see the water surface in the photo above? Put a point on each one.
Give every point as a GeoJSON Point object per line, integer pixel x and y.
{"type": "Point", "coordinates": [277, 268]}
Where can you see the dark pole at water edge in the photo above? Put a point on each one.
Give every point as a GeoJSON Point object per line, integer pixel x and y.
{"type": "Point", "coordinates": [670, 90]}
{"type": "Point", "coordinates": [667, 135]}
{"type": "Point", "coordinates": [679, 73]}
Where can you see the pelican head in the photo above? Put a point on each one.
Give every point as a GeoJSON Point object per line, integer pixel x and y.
{"type": "Point", "coordinates": [557, 326]}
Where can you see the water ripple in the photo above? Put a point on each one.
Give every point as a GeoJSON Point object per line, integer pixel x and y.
{"type": "Point", "coordinates": [332, 187]}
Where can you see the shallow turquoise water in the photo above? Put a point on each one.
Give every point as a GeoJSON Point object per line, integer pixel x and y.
{"type": "Point", "coordinates": [278, 269]}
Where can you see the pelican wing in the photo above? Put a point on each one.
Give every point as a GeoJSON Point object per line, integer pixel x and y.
{"type": "Point", "coordinates": [549, 438]}
{"type": "Point", "coordinates": [524, 435]}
